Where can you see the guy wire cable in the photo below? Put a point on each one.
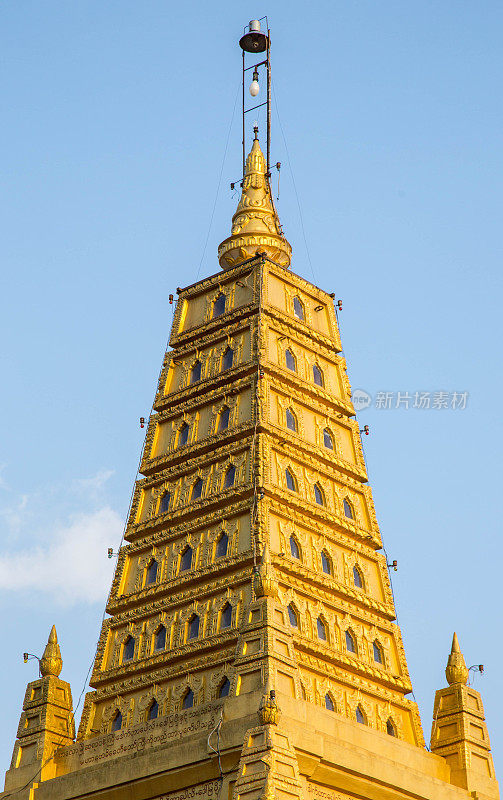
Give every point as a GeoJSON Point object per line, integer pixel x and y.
{"type": "Point", "coordinates": [219, 183]}
{"type": "Point", "coordinates": [294, 185]}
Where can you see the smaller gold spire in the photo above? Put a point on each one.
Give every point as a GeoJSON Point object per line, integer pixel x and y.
{"type": "Point", "coordinates": [264, 580]}
{"type": "Point", "coordinates": [255, 225]}
{"type": "Point", "coordinates": [456, 670]}
{"type": "Point", "coordinates": [51, 662]}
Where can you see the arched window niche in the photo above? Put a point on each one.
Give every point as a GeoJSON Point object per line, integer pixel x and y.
{"type": "Point", "coordinates": [230, 476]}
{"type": "Point", "coordinates": [151, 572]}
{"type": "Point", "coordinates": [226, 616]}
{"type": "Point", "coordinates": [193, 627]}
{"type": "Point", "coordinates": [195, 372]}
{"type": "Point", "coordinates": [377, 652]}
{"type": "Point", "coordinates": [160, 638]}
{"type": "Point", "coordinates": [223, 419]}
{"type": "Point", "coordinates": [293, 616]}
{"type": "Point", "coordinates": [321, 627]}
{"type": "Point", "coordinates": [291, 420]}
{"type": "Point", "coordinates": [298, 309]}
{"type": "Point", "coordinates": [290, 360]}
{"type": "Point", "coordinates": [219, 305]}
{"type": "Point", "coordinates": [291, 483]}
{"type": "Point", "coordinates": [328, 439]}
{"type": "Point", "coordinates": [319, 497]}
{"type": "Point", "coordinates": [183, 435]}
{"type": "Point", "coordinates": [326, 563]}
{"type": "Point", "coordinates": [128, 649]}
{"type": "Point", "coordinates": [153, 711]}
{"type": "Point", "coordinates": [360, 715]}
{"type": "Point", "coordinates": [318, 376]}
{"type": "Point", "coordinates": [165, 503]}
{"type": "Point", "coordinates": [222, 546]}
{"type": "Point", "coordinates": [295, 548]}
{"type": "Point", "coordinates": [186, 559]}
{"type": "Point", "coordinates": [227, 359]}
{"type": "Point", "coordinates": [188, 699]}
{"type": "Point", "coordinates": [350, 642]}
{"type": "Point", "coordinates": [348, 509]}
{"type": "Point", "coordinates": [116, 722]}
{"type": "Point", "coordinates": [224, 688]}
{"type": "Point", "coordinates": [357, 578]}
{"type": "Point", "coordinates": [197, 490]}
{"type": "Point", "coordinates": [329, 703]}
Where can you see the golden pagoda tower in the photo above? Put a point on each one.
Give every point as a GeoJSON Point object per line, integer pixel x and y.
{"type": "Point", "coordinates": [251, 649]}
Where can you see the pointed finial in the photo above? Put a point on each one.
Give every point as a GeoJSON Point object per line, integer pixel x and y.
{"type": "Point", "coordinates": [255, 225]}
{"type": "Point", "coordinates": [264, 580]}
{"type": "Point", "coordinates": [456, 670]}
{"type": "Point", "coordinates": [51, 662]}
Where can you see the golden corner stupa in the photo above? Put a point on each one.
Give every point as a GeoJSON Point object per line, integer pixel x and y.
{"type": "Point", "coordinates": [250, 649]}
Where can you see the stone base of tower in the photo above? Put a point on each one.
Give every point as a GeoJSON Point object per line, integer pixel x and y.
{"type": "Point", "coordinates": [310, 753]}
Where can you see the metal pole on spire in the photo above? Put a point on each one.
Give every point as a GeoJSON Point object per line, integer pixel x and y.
{"type": "Point", "coordinates": [254, 40]}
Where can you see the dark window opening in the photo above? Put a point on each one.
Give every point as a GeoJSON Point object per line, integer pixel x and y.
{"type": "Point", "coordinates": [290, 481]}
{"type": "Point", "coordinates": [117, 722]}
{"type": "Point", "coordinates": [160, 638]}
{"type": "Point", "coordinates": [222, 545]}
{"type": "Point", "coordinates": [317, 375]}
{"type": "Point", "coordinates": [294, 548]}
{"type": "Point", "coordinates": [186, 559]}
{"type": "Point", "coordinates": [290, 360]}
{"type": "Point", "coordinates": [197, 490]}
{"type": "Point", "coordinates": [128, 651]}
{"type": "Point", "coordinates": [219, 306]}
{"type": "Point", "coordinates": [227, 359]}
{"type": "Point", "coordinates": [193, 629]}
{"type": "Point", "coordinates": [298, 309]}
{"type": "Point", "coordinates": [322, 629]}
{"type": "Point", "coordinates": [151, 575]}
{"type": "Point", "coordinates": [294, 622]}
{"type": "Point", "coordinates": [291, 422]}
{"type": "Point", "coordinates": [183, 435]}
{"type": "Point", "coordinates": [165, 501]}
{"type": "Point", "coordinates": [195, 373]}
{"type": "Point", "coordinates": [226, 616]}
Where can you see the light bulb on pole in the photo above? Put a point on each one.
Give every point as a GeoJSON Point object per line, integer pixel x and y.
{"type": "Point", "coordinates": [254, 85]}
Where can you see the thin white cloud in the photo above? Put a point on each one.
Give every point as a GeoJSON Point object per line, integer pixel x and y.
{"type": "Point", "coordinates": [94, 484]}
{"type": "Point", "coordinates": [71, 564]}
{"type": "Point", "coordinates": [15, 514]}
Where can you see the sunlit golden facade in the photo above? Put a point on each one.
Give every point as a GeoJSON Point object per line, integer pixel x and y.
{"type": "Point", "coordinates": [250, 649]}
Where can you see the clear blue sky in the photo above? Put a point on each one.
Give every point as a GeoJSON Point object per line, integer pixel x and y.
{"type": "Point", "coordinates": [115, 119]}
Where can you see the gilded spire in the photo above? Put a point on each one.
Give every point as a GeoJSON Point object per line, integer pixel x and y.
{"type": "Point", "coordinates": [255, 225]}
{"type": "Point", "coordinates": [51, 662]}
{"type": "Point", "coordinates": [264, 581]}
{"type": "Point", "coordinates": [456, 671]}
